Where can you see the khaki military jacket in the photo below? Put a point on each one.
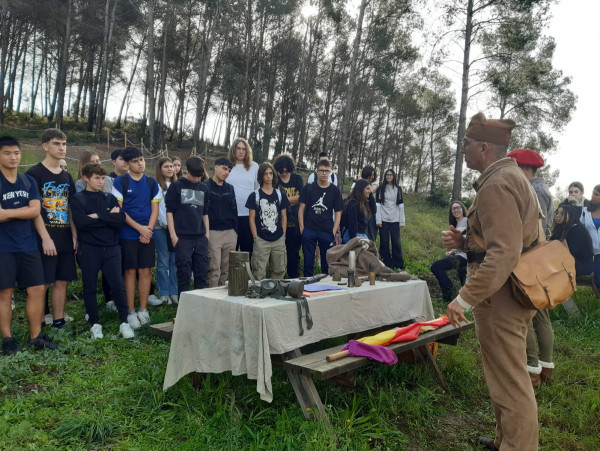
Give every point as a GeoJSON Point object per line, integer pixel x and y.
{"type": "Point", "coordinates": [505, 215]}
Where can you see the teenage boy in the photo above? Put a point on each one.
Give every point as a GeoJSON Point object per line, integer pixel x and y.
{"type": "Point", "coordinates": [20, 259]}
{"type": "Point", "coordinates": [187, 203]}
{"type": "Point", "coordinates": [57, 235]}
{"type": "Point", "coordinates": [268, 222]}
{"type": "Point", "coordinates": [98, 218]}
{"type": "Point", "coordinates": [317, 223]}
{"type": "Point", "coordinates": [312, 178]}
{"type": "Point", "coordinates": [138, 196]}
{"type": "Point", "coordinates": [292, 185]}
{"type": "Point", "coordinates": [222, 217]}
{"type": "Point", "coordinates": [120, 166]}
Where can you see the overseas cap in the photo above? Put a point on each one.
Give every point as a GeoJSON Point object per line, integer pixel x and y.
{"type": "Point", "coordinates": [495, 131]}
{"type": "Point", "coordinates": [527, 157]}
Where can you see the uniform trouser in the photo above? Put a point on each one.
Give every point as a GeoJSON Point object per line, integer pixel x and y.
{"type": "Point", "coordinates": [540, 336]}
{"type": "Point", "coordinates": [391, 230]}
{"type": "Point", "coordinates": [293, 242]}
{"type": "Point", "coordinates": [191, 256]}
{"type": "Point", "coordinates": [221, 243]}
{"type": "Point", "coordinates": [93, 259]}
{"type": "Point", "coordinates": [166, 270]}
{"type": "Point", "coordinates": [501, 326]}
{"type": "Point", "coordinates": [265, 251]}
{"type": "Point", "coordinates": [310, 238]}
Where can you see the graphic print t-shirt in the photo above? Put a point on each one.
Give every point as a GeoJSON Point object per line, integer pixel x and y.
{"type": "Point", "coordinates": [56, 191]}
{"type": "Point", "coordinates": [188, 202]}
{"type": "Point", "coordinates": [291, 189]}
{"type": "Point", "coordinates": [136, 203]}
{"type": "Point", "coordinates": [321, 203]}
{"type": "Point", "coordinates": [17, 235]}
{"type": "Point", "coordinates": [268, 213]}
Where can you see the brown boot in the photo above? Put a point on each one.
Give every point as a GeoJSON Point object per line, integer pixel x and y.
{"type": "Point", "coordinates": [546, 376]}
{"type": "Point", "coordinates": [535, 379]}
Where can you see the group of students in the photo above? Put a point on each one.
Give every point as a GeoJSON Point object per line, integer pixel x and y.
{"type": "Point", "coordinates": [122, 223]}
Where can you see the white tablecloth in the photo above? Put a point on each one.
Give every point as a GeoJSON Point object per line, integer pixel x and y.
{"type": "Point", "coordinates": [215, 332]}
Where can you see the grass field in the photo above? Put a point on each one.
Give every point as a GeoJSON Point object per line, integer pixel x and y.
{"type": "Point", "coordinates": [107, 394]}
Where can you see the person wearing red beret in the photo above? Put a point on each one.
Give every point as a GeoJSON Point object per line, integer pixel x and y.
{"type": "Point", "coordinates": [540, 335]}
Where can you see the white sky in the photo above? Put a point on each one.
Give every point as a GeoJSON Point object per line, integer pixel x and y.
{"type": "Point", "coordinates": [575, 27]}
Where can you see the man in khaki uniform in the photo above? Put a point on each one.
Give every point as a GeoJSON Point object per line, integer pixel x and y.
{"type": "Point", "coordinates": [504, 219]}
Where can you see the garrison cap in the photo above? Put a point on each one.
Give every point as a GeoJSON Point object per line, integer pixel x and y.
{"type": "Point", "coordinates": [495, 131]}
{"type": "Point", "coordinates": [527, 157]}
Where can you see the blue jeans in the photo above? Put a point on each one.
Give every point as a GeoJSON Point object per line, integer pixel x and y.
{"type": "Point", "coordinates": [166, 271]}
{"type": "Point", "coordinates": [346, 236]}
{"type": "Point", "coordinates": [310, 238]}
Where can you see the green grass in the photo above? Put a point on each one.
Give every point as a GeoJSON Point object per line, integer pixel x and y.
{"type": "Point", "coordinates": [108, 393]}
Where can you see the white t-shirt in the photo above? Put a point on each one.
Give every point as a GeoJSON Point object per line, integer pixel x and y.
{"type": "Point", "coordinates": [244, 183]}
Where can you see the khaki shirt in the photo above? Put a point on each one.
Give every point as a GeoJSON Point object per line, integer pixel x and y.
{"type": "Point", "coordinates": [505, 214]}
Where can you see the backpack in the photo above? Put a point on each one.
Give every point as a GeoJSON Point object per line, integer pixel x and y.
{"type": "Point", "coordinates": [25, 179]}
{"type": "Point", "coordinates": [152, 184]}
{"type": "Point", "coordinates": [257, 196]}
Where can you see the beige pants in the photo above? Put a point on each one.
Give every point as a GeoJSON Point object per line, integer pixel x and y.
{"type": "Point", "coordinates": [220, 244]}
{"type": "Point", "coordinates": [265, 251]}
{"type": "Point", "coordinates": [501, 326]}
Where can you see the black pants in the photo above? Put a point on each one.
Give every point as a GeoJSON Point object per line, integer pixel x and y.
{"type": "Point", "coordinates": [293, 242]}
{"type": "Point", "coordinates": [191, 256]}
{"type": "Point", "coordinates": [439, 269]}
{"type": "Point", "coordinates": [245, 242]}
{"type": "Point", "coordinates": [391, 230]}
{"type": "Point", "coordinates": [92, 260]}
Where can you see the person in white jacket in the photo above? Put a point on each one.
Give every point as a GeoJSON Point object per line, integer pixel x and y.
{"type": "Point", "coordinates": [390, 219]}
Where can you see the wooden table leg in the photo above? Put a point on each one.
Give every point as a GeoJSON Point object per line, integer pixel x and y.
{"type": "Point", "coordinates": [306, 392]}
{"type": "Point", "coordinates": [425, 355]}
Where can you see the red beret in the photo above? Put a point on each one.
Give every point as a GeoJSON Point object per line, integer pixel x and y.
{"type": "Point", "coordinates": [527, 157]}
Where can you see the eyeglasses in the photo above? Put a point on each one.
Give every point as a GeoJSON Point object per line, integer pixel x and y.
{"type": "Point", "coordinates": [324, 171]}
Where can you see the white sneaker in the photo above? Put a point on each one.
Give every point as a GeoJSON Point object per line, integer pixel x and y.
{"type": "Point", "coordinates": [48, 318]}
{"type": "Point", "coordinates": [110, 305]}
{"type": "Point", "coordinates": [126, 331]}
{"type": "Point", "coordinates": [143, 316]}
{"type": "Point", "coordinates": [96, 331]}
{"type": "Point", "coordinates": [165, 300]}
{"type": "Point", "coordinates": [133, 320]}
{"type": "Point", "coordinates": [153, 300]}
{"type": "Point", "coordinates": [174, 299]}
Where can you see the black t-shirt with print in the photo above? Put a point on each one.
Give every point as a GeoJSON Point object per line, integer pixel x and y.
{"type": "Point", "coordinates": [268, 213]}
{"type": "Point", "coordinates": [321, 203]}
{"type": "Point", "coordinates": [56, 191]}
{"type": "Point", "coordinates": [291, 189]}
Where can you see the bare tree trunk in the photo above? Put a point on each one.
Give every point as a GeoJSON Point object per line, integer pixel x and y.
{"type": "Point", "coordinates": [61, 81]}
{"type": "Point", "coordinates": [109, 21]}
{"type": "Point", "coordinates": [150, 78]}
{"type": "Point", "coordinates": [4, 30]}
{"type": "Point", "coordinates": [80, 83]}
{"type": "Point", "coordinates": [22, 77]}
{"type": "Point", "coordinates": [345, 141]}
{"type": "Point", "coordinates": [464, 98]}
{"type": "Point", "coordinates": [133, 74]}
{"type": "Point", "coordinates": [163, 85]}
{"type": "Point", "coordinates": [209, 36]}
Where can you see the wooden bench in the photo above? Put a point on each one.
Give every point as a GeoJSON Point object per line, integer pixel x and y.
{"type": "Point", "coordinates": [302, 370]}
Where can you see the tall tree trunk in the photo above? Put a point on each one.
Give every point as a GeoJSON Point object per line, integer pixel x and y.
{"type": "Point", "coordinates": [80, 84]}
{"type": "Point", "coordinates": [150, 78]}
{"type": "Point", "coordinates": [464, 98]}
{"type": "Point", "coordinates": [4, 30]}
{"type": "Point", "coordinates": [133, 74]}
{"type": "Point", "coordinates": [163, 85]}
{"type": "Point", "coordinates": [61, 79]}
{"type": "Point", "coordinates": [109, 21]}
{"type": "Point", "coordinates": [257, 89]}
{"type": "Point", "coordinates": [209, 36]}
{"type": "Point", "coordinates": [345, 141]}
{"type": "Point", "coordinates": [22, 77]}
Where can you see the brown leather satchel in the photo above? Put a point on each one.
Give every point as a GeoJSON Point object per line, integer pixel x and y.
{"type": "Point", "coordinates": [545, 274]}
